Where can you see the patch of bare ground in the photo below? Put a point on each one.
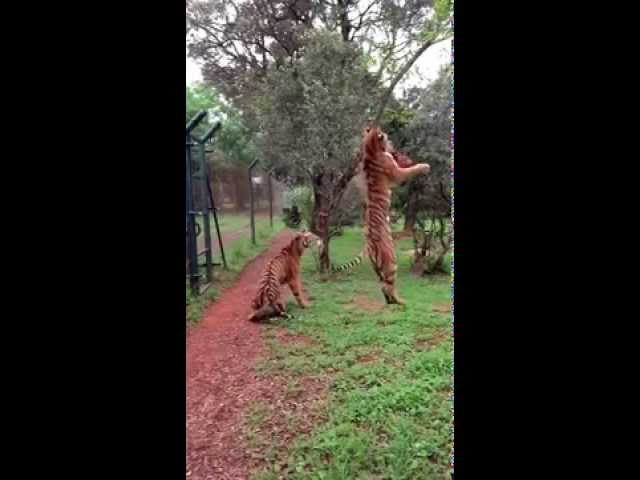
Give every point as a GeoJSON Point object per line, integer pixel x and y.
{"type": "Point", "coordinates": [286, 337]}
{"type": "Point", "coordinates": [366, 303]}
{"type": "Point", "coordinates": [436, 339]}
{"type": "Point", "coordinates": [369, 357]}
{"type": "Point", "coordinates": [441, 307]}
{"type": "Point", "coordinates": [289, 407]}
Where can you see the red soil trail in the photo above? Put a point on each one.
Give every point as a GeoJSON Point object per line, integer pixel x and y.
{"type": "Point", "coordinates": [221, 352]}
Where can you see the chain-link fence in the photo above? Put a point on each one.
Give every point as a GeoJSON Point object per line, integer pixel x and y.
{"type": "Point", "coordinates": [230, 187]}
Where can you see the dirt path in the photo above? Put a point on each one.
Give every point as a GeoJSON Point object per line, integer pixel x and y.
{"type": "Point", "coordinates": [221, 351]}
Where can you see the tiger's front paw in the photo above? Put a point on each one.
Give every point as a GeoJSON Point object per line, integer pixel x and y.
{"type": "Point", "coordinates": [425, 168]}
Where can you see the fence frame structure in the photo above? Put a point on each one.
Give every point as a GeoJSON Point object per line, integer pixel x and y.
{"type": "Point", "coordinates": [200, 174]}
{"type": "Point", "coordinates": [251, 204]}
{"type": "Point", "coordinates": [252, 199]}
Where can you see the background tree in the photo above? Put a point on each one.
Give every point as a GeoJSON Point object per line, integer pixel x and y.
{"type": "Point", "coordinates": [234, 148]}
{"type": "Point", "coordinates": [234, 140]}
{"type": "Point", "coordinates": [310, 120]}
{"type": "Point", "coordinates": [238, 42]}
{"type": "Point", "coordinates": [247, 45]}
{"type": "Point", "coordinates": [421, 126]}
{"type": "Point", "coordinates": [428, 199]}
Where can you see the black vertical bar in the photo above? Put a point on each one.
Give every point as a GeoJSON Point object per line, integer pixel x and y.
{"type": "Point", "coordinates": [191, 230]}
{"type": "Point", "coordinates": [206, 223]}
{"type": "Point", "coordinates": [215, 220]}
{"type": "Point", "coordinates": [270, 203]}
{"type": "Point", "coordinates": [253, 219]}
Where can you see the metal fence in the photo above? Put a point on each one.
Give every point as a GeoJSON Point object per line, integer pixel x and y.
{"type": "Point", "coordinates": [231, 190]}
{"type": "Point", "coordinates": [200, 204]}
{"type": "Point", "coordinates": [213, 191]}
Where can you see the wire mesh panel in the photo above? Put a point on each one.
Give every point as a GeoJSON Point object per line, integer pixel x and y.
{"type": "Point", "coordinates": [230, 187]}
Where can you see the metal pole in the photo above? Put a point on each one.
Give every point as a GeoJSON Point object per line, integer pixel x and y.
{"type": "Point", "coordinates": [270, 202]}
{"type": "Point", "coordinates": [206, 224]}
{"type": "Point", "coordinates": [215, 220]}
{"type": "Point", "coordinates": [253, 219]}
{"type": "Point", "coordinates": [193, 123]}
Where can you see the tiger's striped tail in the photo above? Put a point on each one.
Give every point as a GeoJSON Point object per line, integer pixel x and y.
{"type": "Point", "coordinates": [349, 266]}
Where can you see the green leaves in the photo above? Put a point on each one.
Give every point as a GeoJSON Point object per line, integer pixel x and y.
{"type": "Point", "coordinates": [442, 9]}
{"type": "Point", "coordinates": [437, 27]}
{"type": "Point", "coordinates": [311, 121]}
{"type": "Point", "coordinates": [234, 143]}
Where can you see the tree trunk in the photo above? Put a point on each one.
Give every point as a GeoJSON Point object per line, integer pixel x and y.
{"type": "Point", "coordinates": [411, 211]}
{"type": "Point", "coordinates": [239, 193]}
{"type": "Point", "coordinates": [435, 264]}
{"type": "Point", "coordinates": [431, 247]}
{"type": "Point", "coordinates": [320, 222]}
{"type": "Point", "coordinates": [328, 190]}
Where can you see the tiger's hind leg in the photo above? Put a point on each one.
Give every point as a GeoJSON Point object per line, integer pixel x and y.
{"type": "Point", "coordinates": [278, 306]}
{"type": "Point", "coordinates": [270, 310]}
{"type": "Point", "coordinates": [390, 294]}
{"type": "Point", "coordinates": [262, 313]}
{"type": "Point", "coordinates": [388, 280]}
{"type": "Point", "coordinates": [385, 267]}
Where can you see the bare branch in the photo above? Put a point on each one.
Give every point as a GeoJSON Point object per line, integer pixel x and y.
{"type": "Point", "coordinates": [398, 77]}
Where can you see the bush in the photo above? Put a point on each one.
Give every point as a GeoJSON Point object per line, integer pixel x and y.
{"type": "Point", "coordinates": [291, 217]}
{"type": "Point", "coordinates": [302, 199]}
{"type": "Point", "coordinates": [348, 213]}
{"type": "Point", "coordinates": [432, 243]}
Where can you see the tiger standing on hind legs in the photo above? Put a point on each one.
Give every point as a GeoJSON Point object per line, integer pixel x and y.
{"type": "Point", "coordinates": [380, 172]}
{"type": "Point", "coordinates": [284, 268]}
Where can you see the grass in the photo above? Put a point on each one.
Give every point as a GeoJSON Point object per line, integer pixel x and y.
{"type": "Point", "coordinates": [387, 412]}
{"type": "Point", "coordinates": [242, 250]}
{"type": "Point", "coordinates": [197, 304]}
{"type": "Point", "coordinates": [233, 221]}
{"type": "Point", "coordinates": [238, 253]}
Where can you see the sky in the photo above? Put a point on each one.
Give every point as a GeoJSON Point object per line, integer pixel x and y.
{"type": "Point", "coordinates": [423, 71]}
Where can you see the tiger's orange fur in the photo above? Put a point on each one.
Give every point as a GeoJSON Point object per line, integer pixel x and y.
{"type": "Point", "coordinates": [380, 172]}
{"type": "Point", "coordinates": [284, 268]}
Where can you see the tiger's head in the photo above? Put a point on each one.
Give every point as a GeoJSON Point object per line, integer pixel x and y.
{"type": "Point", "coordinates": [304, 240]}
{"type": "Point", "coordinates": [385, 144]}
{"type": "Point", "coordinates": [374, 142]}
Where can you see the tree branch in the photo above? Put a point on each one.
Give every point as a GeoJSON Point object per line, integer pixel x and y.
{"type": "Point", "coordinates": [403, 71]}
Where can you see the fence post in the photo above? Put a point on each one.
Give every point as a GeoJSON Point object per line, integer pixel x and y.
{"type": "Point", "coordinates": [270, 202]}
{"type": "Point", "coordinates": [253, 218]}
{"type": "Point", "coordinates": [206, 223]}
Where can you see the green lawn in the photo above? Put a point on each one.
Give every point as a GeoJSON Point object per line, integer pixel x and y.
{"type": "Point", "coordinates": [233, 221]}
{"type": "Point", "coordinates": [384, 411]}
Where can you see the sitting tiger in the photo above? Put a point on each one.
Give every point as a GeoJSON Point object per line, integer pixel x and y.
{"type": "Point", "coordinates": [283, 268]}
{"type": "Point", "coordinates": [379, 171]}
